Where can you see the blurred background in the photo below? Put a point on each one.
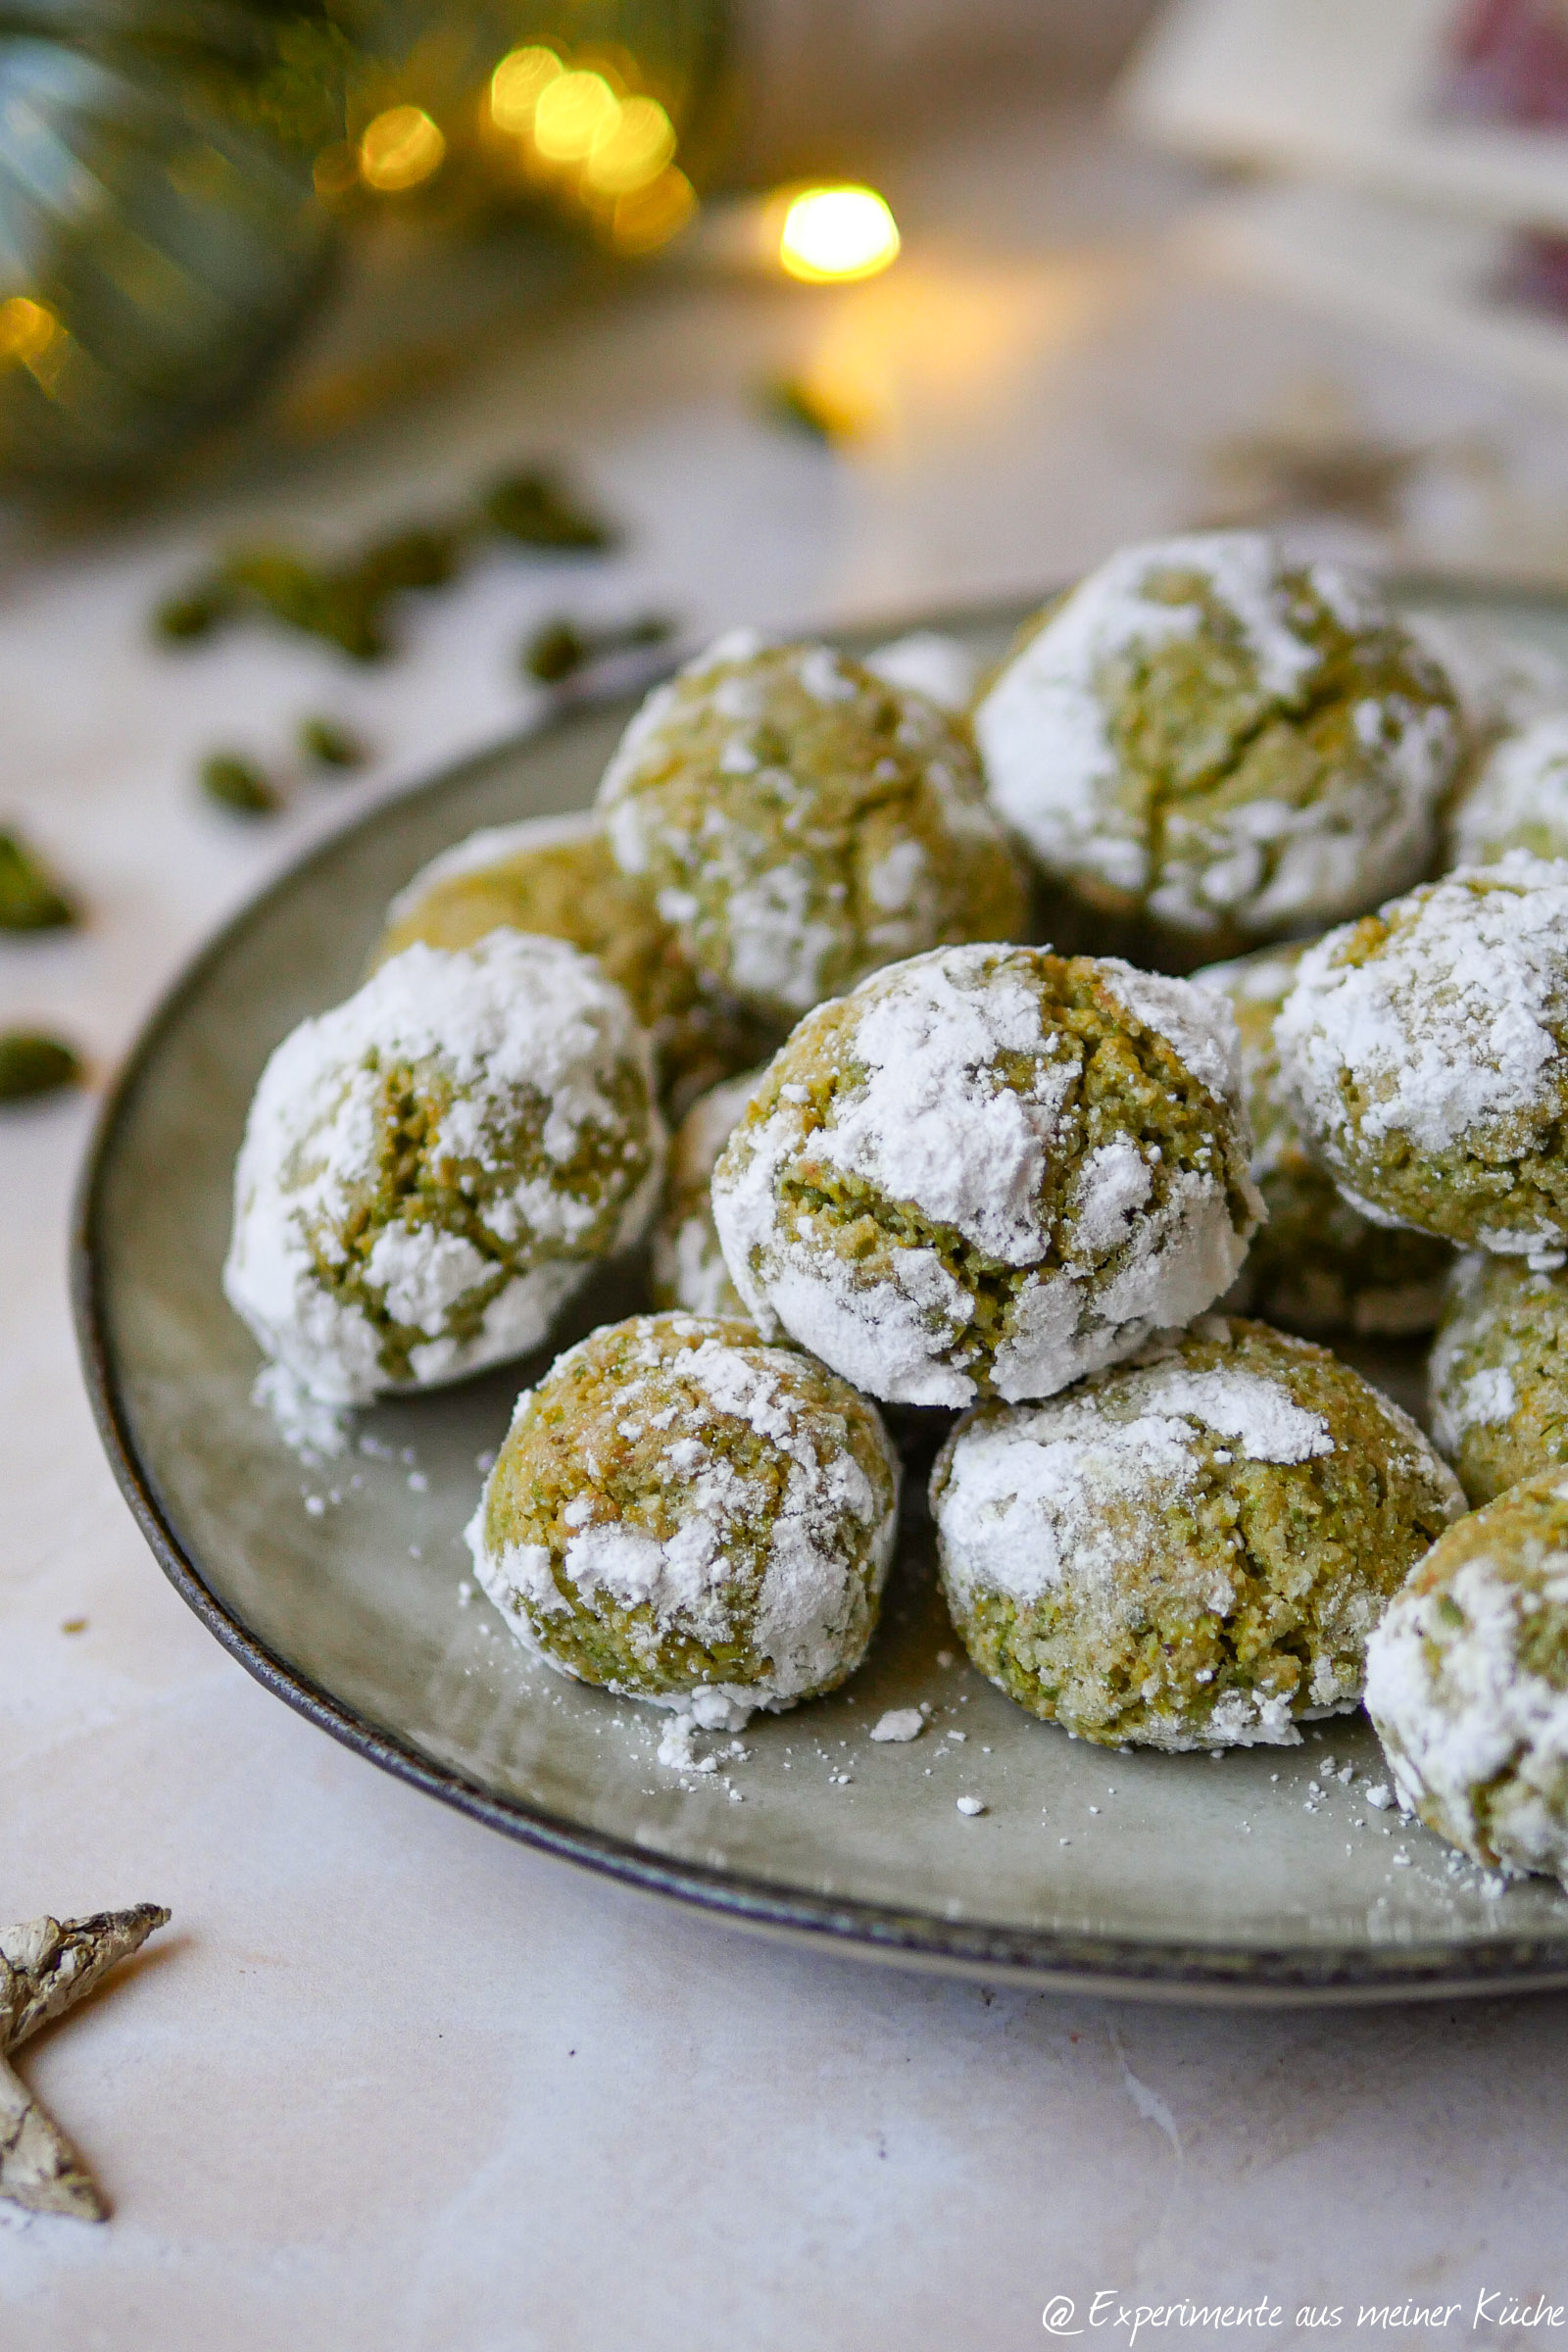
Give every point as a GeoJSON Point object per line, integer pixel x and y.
{"type": "Point", "coordinates": [367, 366]}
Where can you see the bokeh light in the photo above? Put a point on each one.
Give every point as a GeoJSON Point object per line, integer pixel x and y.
{"type": "Point", "coordinates": [517, 84]}
{"type": "Point", "coordinates": [650, 216]}
{"type": "Point", "coordinates": [572, 111]}
{"type": "Point", "coordinates": [630, 148]}
{"type": "Point", "coordinates": [26, 328]}
{"type": "Point", "coordinates": [336, 173]}
{"type": "Point", "coordinates": [399, 149]}
{"type": "Point", "coordinates": [831, 236]}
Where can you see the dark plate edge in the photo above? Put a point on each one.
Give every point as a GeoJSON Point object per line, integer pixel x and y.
{"type": "Point", "coordinates": [1058, 1961]}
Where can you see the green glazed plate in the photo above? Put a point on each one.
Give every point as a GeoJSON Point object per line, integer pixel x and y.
{"type": "Point", "coordinates": [1259, 1877]}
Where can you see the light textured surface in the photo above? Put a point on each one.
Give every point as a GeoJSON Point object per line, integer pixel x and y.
{"type": "Point", "coordinates": [388, 2081]}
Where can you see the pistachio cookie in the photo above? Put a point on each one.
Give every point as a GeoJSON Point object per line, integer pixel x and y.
{"type": "Point", "coordinates": [1208, 739]}
{"type": "Point", "coordinates": [684, 1514]}
{"type": "Point", "coordinates": [988, 1170]}
{"type": "Point", "coordinates": [1467, 1682]}
{"type": "Point", "coordinates": [430, 1170]}
{"type": "Point", "coordinates": [1191, 1552]}
{"type": "Point", "coordinates": [1519, 801]}
{"type": "Point", "coordinates": [1318, 1264]}
{"type": "Point", "coordinates": [1424, 1052]}
{"type": "Point", "coordinates": [688, 1265]}
{"type": "Point", "coordinates": [1500, 1373]}
{"type": "Point", "coordinates": [801, 822]}
{"type": "Point", "coordinates": [555, 875]}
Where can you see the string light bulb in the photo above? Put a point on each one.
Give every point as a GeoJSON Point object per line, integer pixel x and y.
{"type": "Point", "coordinates": [630, 148]}
{"type": "Point", "coordinates": [517, 84]}
{"type": "Point", "coordinates": [572, 113]}
{"type": "Point", "coordinates": [26, 328]}
{"type": "Point", "coordinates": [399, 149]}
{"type": "Point", "coordinates": [831, 236]}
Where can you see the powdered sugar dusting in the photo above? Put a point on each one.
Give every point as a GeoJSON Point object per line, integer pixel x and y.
{"type": "Point", "coordinates": [309, 1428]}
{"type": "Point", "coordinates": [779, 948]}
{"type": "Point", "coordinates": [1520, 799]}
{"type": "Point", "coordinates": [828, 1518]}
{"type": "Point", "coordinates": [513, 1023]}
{"type": "Point", "coordinates": [1502, 679]}
{"type": "Point", "coordinates": [1073, 1497]}
{"type": "Point", "coordinates": [934, 1121]}
{"type": "Point", "coordinates": [803, 823]}
{"type": "Point", "coordinates": [1259, 864]}
{"type": "Point", "coordinates": [1476, 1741]}
{"type": "Point", "coordinates": [1197, 1023]}
{"type": "Point", "coordinates": [1449, 1028]}
{"type": "Point", "coordinates": [937, 1119]}
{"type": "Point", "coordinates": [939, 668]}
{"type": "Point", "coordinates": [1487, 1398]}
{"type": "Point", "coordinates": [1042, 727]}
{"type": "Point", "coordinates": [688, 1265]}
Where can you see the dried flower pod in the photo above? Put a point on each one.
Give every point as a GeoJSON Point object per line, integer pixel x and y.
{"type": "Point", "coordinates": [46, 1966]}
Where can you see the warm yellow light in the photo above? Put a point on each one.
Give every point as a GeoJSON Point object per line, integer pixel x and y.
{"type": "Point", "coordinates": [399, 149]}
{"type": "Point", "coordinates": [630, 148]}
{"type": "Point", "coordinates": [26, 328]}
{"type": "Point", "coordinates": [516, 86]}
{"type": "Point", "coordinates": [650, 216]}
{"type": "Point", "coordinates": [570, 113]}
{"type": "Point", "coordinates": [836, 233]}
{"type": "Point", "coordinates": [335, 171]}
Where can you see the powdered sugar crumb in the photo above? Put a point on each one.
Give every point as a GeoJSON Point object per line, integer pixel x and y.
{"type": "Point", "coordinates": [309, 1428]}
{"type": "Point", "coordinates": [899, 1724]}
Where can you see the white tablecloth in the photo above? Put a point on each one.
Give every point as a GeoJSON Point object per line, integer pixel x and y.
{"type": "Point", "coordinates": [390, 2080]}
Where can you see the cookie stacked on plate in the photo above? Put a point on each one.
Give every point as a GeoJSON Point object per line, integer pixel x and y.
{"type": "Point", "coordinates": [925, 1166]}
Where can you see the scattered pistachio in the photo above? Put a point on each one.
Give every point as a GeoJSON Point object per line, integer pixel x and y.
{"type": "Point", "coordinates": [339, 606]}
{"type": "Point", "coordinates": [195, 611]}
{"type": "Point", "coordinates": [238, 783]}
{"type": "Point", "coordinates": [561, 647]}
{"type": "Point", "coordinates": [346, 603]}
{"type": "Point", "coordinates": [785, 400]}
{"type": "Point", "coordinates": [537, 508]}
{"type": "Point", "coordinates": [31, 1064]}
{"type": "Point", "coordinates": [327, 743]}
{"type": "Point", "coordinates": [420, 557]}
{"type": "Point", "coordinates": [31, 900]}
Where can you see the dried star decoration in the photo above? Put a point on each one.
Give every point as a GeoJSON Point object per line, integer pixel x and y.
{"type": "Point", "coordinates": [46, 1967]}
{"type": "Point", "coordinates": [1313, 458]}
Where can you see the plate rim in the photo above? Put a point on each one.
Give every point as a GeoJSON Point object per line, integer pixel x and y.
{"type": "Point", "coordinates": [1062, 1960]}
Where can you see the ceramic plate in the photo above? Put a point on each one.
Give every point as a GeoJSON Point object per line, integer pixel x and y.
{"type": "Point", "coordinates": [1266, 1875]}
